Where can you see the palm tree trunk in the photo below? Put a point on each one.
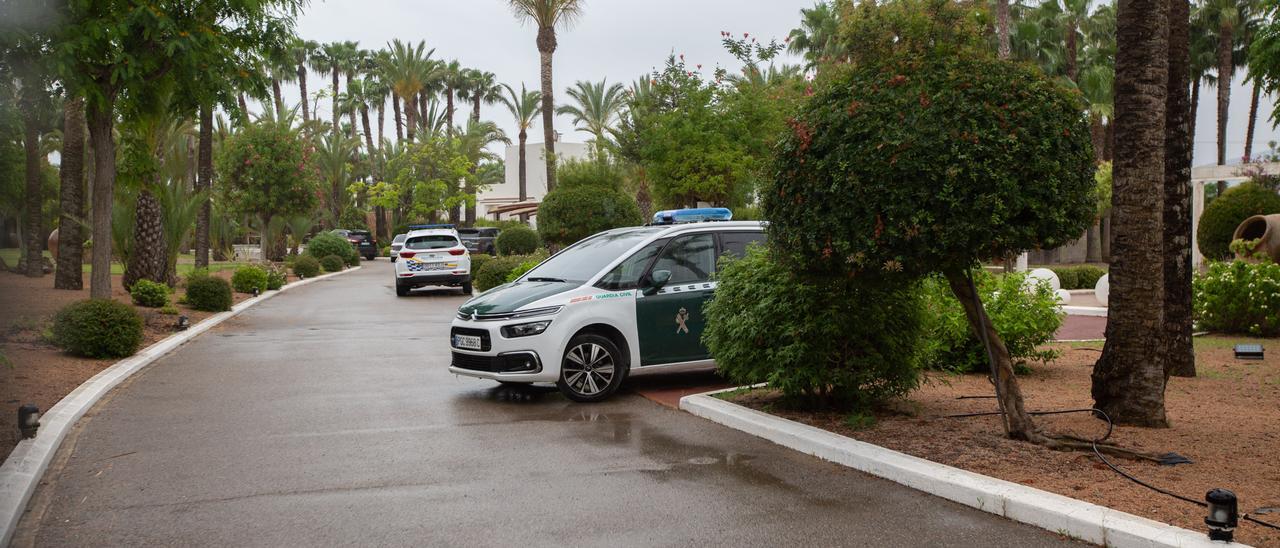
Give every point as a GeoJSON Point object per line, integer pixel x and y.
{"type": "Point", "coordinates": [302, 90]}
{"type": "Point", "coordinates": [475, 108]}
{"type": "Point", "coordinates": [1180, 358]}
{"type": "Point", "coordinates": [382, 117]}
{"type": "Point", "coordinates": [1098, 135]}
{"type": "Point", "coordinates": [1073, 69]}
{"type": "Point", "coordinates": [1002, 29]}
{"type": "Point", "coordinates": [368, 135]}
{"type": "Point", "coordinates": [1253, 121]}
{"type": "Point", "coordinates": [546, 49]}
{"type": "Point", "coordinates": [279, 100]}
{"type": "Point", "coordinates": [1093, 243]}
{"type": "Point", "coordinates": [244, 107]}
{"type": "Point", "coordinates": [1106, 237]}
{"type": "Point", "coordinates": [334, 102]}
{"type": "Point", "coordinates": [524, 182]}
{"type": "Point", "coordinates": [409, 116]}
{"type": "Point", "coordinates": [422, 112]}
{"type": "Point", "coordinates": [204, 183]}
{"type": "Point", "coordinates": [1111, 140]}
{"type": "Point", "coordinates": [1129, 378]}
{"type": "Point", "coordinates": [1225, 69]}
{"type": "Point", "coordinates": [148, 259]}
{"type": "Point", "coordinates": [448, 110]}
{"type": "Point", "coordinates": [33, 243]}
{"type": "Point", "coordinates": [1195, 107]}
{"type": "Point", "coordinates": [395, 113]}
{"type": "Point", "coordinates": [351, 113]}
{"type": "Point", "coordinates": [70, 271]}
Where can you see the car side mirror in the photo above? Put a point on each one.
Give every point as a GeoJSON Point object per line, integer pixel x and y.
{"type": "Point", "coordinates": [655, 281]}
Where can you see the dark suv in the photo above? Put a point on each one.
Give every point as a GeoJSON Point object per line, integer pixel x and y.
{"type": "Point", "coordinates": [479, 239]}
{"type": "Point", "coordinates": [366, 246]}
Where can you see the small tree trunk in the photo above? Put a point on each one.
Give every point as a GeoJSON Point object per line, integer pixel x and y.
{"type": "Point", "coordinates": [33, 243]}
{"type": "Point", "coordinates": [204, 183]}
{"type": "Point", "coordinates": [70, 271]}
{"type": "Point", "coordinates": [149, 257]}
{"type": "Point", "coordinates": [1253, 122]}
{"type": "Point", "coordinates": [1017, 422]}
{"type": "Point", "coordinates": [101, 119]}
{"type": "Point", "coordinates": [1093, 243]}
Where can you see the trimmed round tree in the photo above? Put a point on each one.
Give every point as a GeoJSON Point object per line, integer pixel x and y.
{"type": "Point", "coordinates": [926, 161]}
{"type": "Point", "coordinates": [569, 214]}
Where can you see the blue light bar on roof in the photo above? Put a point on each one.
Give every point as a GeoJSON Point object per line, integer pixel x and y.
{"type": "Point", "coordinates": [697, 215]}
{"type": "Point", "coordinates": [428, 227]}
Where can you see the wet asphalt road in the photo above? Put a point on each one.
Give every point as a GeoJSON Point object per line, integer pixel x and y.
{"type": "Point", "coordinates": [326, 416]}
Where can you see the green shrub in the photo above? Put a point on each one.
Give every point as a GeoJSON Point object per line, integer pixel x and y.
{"type": "Point", "coordinates": [248, 278]}
{"type": "Point", "coordinates": [328, 243]}
{"type": "Point", "coordinates": [1067, 277]}
{"type": "Point", "coordinates": [495, 271]}
{"type": "Point", "coordinates": [332, 263]}
{"type": "Point", "coordinates": [821, 341]}
{"type": "Point", "coordinates": [149, 294]}
{"type": "Point", "coordinates": [1024, 317]}
{"type": "Point", "coordinates": [1239, 297]}
{"type": "Point", "coordinates": [1087, 276]}
{"type": "Point", "coordinates": [306, 266]}
{"type": "Point", "coordinates": [169, 310]}
{"type": "Point", "coordinates": [1224, 214]}
{"type": "Point", "coordinates": [521, 268]}
{"type": "Point", "coordinates": [277, 276]}
{"type": "Point", "coordinates": [478, 261]}
{"type": "Point", "coordinates": [98, 328]}
{"type": "Point", "coordinates": [208, 293]}
{"type": "Point", "coordinates": [569, 214]}
{"type": "Point", "coordinates": [352, 258]}
{"type": "Point", "coordinates": [517, 240]}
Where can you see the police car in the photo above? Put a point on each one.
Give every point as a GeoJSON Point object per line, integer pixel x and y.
{"type": "Point", "coordinates": [623, 302]}
{"type": "Point", "coordinates": [432, 255]}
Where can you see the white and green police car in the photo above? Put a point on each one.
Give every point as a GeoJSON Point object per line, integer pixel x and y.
{"type": "Point", "coordinates": [432, 255]}
{"type": "Point", "coordinates": [623, 302]}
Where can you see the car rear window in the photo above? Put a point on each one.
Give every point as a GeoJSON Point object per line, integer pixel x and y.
{"type": "Point", "coordinates": [400, 238]}
{"type": "Point", "coordinates": [434, 241]}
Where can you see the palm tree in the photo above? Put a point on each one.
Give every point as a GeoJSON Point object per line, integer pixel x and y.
{"type": "Point", "coordinates": [1074, 13]}
{"type": "Point", "coordinates": [1229, 17]}
{"type": "Point", "coordinates": [548, 14]}
{"type": "Point", "coordinates": [1204, 40]}
{"type": "Point", "coordinates": [354, 63]}
{"type": "Point", "coordinates": [301, 50]}
{"type": "Point", "coordinates": [1002, 29]}
{"type": "Point", "coordinates": [333, 158]}
{"type": "Point", "coordinates": [474, 140]}
{"type": "Point", "coordinates": [482, 87]}
{"type": "Point", "coordinates": [454, 78]}
{"type": "Point", "coordinates": [1129, 379]}
{"type": "Point", "coordinates": [598, 105]}
{"type": "Point", "coordinates": [523, 107]}
{"type": "Point", "coordinates": [406, 68]}
{"type": "Point", "coordinates": [334, 57]}
{"type": "Point", "coordinates": [1179, 354]}
{"type": "Point", "coordinates": [281, 67]}
{"type": "Point", "coordinates": [69, 274]}
{"type": "Point", "coordinates": [817, 40]}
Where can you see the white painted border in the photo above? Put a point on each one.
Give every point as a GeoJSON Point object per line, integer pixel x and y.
{"type": "Point", "coordinates": [1050, 511]}
{"type": "Point", "coordinates": [1099, 311]}
{"type": "Point", "coordinates": [26, 465]}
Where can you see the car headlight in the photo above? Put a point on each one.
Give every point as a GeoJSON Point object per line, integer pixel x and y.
{"type": "Point", "coordinates": [525, 329]}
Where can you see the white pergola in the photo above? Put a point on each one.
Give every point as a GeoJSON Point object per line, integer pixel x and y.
{"type": "Point", "coordinates": [1203, 175]}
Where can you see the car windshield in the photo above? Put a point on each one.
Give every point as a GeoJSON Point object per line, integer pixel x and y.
{"type": "Point", "coordinates": [399, 238]}
{"type": "Point", "coordinates": [583, 260]}
{"type": "Point", "coordinates": [434, 241]}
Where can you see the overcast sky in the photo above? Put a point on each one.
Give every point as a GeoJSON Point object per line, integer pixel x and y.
{"type": "Point", "coordinates": [618, 40]}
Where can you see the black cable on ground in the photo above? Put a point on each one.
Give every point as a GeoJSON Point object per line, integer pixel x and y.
{"type": "Point", "coordinates": [1116, 469]}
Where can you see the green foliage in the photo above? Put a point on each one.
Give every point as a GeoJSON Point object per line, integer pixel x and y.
{"type": "Point", "coordinates": [1247, 249]}
{"type": "Point", "coordinates": [929, 164]}
{"type": "Point", "coordinates": [1025, 317]}
{"type": "Point", "coordinates": [822, 342]}
{"type": "Point", "coordinates": [478, 261]}
{"type": "Point", "coordinates": [169, 310]}
{"type": "Point", "coordinates": [1078, 277]}
{"type": "Point", "coordinates": [353, 257]}
{"type": "Point", "coordinates": [208, 293]}
{"type": "Point", "coordinates": [328, 243]}
{"type": "Point", "coordinates": [517, 240]}
{"type": "Point", "coordinates": [98, 328]}
{"type": "Point", "coordinates": [277, 276]}
{"type": "Point", "coordinates": [306, 266]}
{"type": "Point", "coordinates": [332, 263]}
{"type": "Point", "coordinates": [1224, 214]}
{"type": "Point", "coordinates": [495, 271]}
{"type": "Point", "coordinates": [425, 175]}
{"type": "Point", "coordinates": [1239, 297]}
{"type": "Point", "coordinates": [595, 173]}
{"type": "Point", "coordinates": [1102, 179]}
{"type": "Point", "coordinates": [571, 213]}
{"type": "Point", "coordinates": [521, 268]}
{"type": "Point", "coordinates": [149, 294]}
{"type": "Point", "coordinates": [265, 171]}
{"type": "Point", "coordinates": [248, 278]}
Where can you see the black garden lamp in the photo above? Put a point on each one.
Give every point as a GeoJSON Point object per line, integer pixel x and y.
{"type": "Point", "coordinates": [28, 420]}
{"type": "Point", "coordinates": [255, 292]}
{"type": "Point", "coordinates": [1223, 516]}
{"type": "Point", "coordinates": [183, 323]}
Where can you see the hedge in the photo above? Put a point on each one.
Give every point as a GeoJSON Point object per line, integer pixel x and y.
{"type": "Point", "coordinates": [98, 328]}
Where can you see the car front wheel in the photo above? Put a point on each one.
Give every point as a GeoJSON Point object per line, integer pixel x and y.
{"type": "Point", "coordinates": [592, 370]}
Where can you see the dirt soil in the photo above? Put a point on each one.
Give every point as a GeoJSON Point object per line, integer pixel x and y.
{"type": "Point", "coordinates": [1226, 420]}
{"type": "Point", "coordinates": [33, 370]}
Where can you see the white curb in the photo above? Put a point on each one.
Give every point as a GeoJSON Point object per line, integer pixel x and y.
{"type": "Point", "coordinates": [26, 465]}
{"type": "Point", "coordinates": [1099, 311]}
{"type": "Point", "coordinates": [1050, 511]}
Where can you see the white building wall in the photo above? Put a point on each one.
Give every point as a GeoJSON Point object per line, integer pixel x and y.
{"type": "Point", "coordinates": [535, 174]}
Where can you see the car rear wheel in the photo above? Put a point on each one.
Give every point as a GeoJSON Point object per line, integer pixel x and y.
{"type": "Point", "coordinates": [402, 290]}
{"type": "Point", "coordinates": [592, 370]}
{"type": "Point", "coordinates": [466, 288]}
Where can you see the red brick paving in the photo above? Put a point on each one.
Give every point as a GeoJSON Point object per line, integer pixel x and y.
{"type": "Point", "coordinates": [1082, 327]}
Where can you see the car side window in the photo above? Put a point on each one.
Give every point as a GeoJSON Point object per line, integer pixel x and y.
{"type": "Point", "coordinates": [627, 274]}
{"type": "Point", "coordinates": [736, 243]}
{"type": "Point", "coordinates": [690, 259]}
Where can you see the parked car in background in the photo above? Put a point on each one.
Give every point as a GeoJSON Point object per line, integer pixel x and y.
{"type": "Point", "coordinates": [396, 244]}
{"type": "Point", "coordinates": [366, 246]}
{"type": "Point", "coordinates": [479, 239]}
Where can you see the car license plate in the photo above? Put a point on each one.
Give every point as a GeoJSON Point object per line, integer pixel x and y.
{"type": "Point", "coordinates": [469, 342]}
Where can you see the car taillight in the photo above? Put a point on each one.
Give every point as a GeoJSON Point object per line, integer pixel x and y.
{"type": "Point", "coordinates": [407, 254]}
{"type": "Point", "coordinates": [457, 251]}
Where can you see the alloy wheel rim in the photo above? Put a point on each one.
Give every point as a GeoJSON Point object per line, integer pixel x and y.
{"type": "Point", "coordinates": [588, 369]}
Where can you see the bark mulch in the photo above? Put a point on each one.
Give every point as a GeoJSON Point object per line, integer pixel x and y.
{"type": "Point", "coordinates": [1226, 420]}
{"type": "Point", "coordinates": [33, 370]}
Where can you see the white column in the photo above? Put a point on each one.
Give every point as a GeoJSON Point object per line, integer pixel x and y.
{"type": "Point", "coordinates": [1021, 265]}
{"type": "Point", "coordinates": [1197, 207]}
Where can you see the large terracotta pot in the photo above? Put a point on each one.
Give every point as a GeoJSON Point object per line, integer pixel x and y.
{"type": "Point", "coordinates": [1265, 228]}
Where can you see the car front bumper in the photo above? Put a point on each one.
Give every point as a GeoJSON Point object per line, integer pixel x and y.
{"type": "Point", "coordinates": [508, 359]}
